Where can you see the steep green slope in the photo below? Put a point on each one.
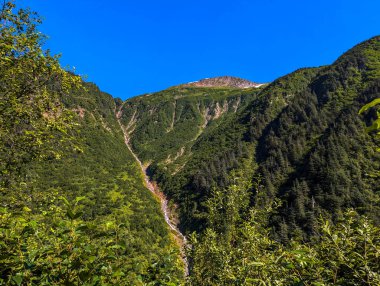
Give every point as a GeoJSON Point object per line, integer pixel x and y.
{"type": "Point", "coordinates": [302, 136]}
{"type": "Point", "coordinates": [110, 178]}
{"type": "Point", "coordinates": [122, 236]}
{"type": "Point", "coordinates": [228, 147]}
{"type": "Point", "coordinates": [316, 155]}
{"type": "Point", "coordinates": [164, 126]}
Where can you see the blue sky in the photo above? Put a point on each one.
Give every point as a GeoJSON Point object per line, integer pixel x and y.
{"type": "Point", "coordinates": [132, 47]}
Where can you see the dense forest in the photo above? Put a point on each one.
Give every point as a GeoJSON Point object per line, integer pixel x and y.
{"type": "Point", "coordinates": [274, 184]}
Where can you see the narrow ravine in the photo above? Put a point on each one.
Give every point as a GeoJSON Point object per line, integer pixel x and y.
{"type": "Point", "coordinates": [152, 186]}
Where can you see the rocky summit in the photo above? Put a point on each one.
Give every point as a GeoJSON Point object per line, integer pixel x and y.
{"type": "Point", "coordinates": [224, 81]}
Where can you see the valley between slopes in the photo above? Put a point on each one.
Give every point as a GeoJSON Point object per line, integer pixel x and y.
{"type": "Point", "coordinates": [179, 238]}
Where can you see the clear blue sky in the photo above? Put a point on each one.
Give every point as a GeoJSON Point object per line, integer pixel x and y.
{"type": "Point", "coordinates": [133, 47]}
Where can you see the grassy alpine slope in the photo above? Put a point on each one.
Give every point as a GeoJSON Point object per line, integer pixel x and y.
{"type": "Point", "coordinates": [164, 126]}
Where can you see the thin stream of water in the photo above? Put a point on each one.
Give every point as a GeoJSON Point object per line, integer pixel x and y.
{"type": "Point", "coordinates": [181, 239]}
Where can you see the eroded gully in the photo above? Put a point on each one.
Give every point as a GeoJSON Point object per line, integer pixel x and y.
{"type": "Point", "coordinates": [152, 186]}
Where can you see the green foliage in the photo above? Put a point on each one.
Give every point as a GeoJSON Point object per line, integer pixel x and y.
{"type": "Point", "coordinates": [376, 123]}
{"type": "Point", "coordinates": [57, 247]}
{"type": "Point", "coordinates": [372, 53]}
{"type": "Point", "coordinates": [31, 81]}
{"type": "Point", "coordinates": [244, 253]}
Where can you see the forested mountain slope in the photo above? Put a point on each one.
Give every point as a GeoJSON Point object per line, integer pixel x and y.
{"type": "Point", "coordinates": [301, 134]}
{"type": "Point", "coordinates": [123, 220]}
{"type": "Point", "coordinates": [109, 178]}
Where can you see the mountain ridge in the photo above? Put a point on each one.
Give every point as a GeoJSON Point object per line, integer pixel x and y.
{"type": "Point", "coordinates": [223, 81]}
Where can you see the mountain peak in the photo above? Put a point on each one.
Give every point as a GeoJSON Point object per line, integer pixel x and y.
{"type": "Point", "coordinates": [223, 81]}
